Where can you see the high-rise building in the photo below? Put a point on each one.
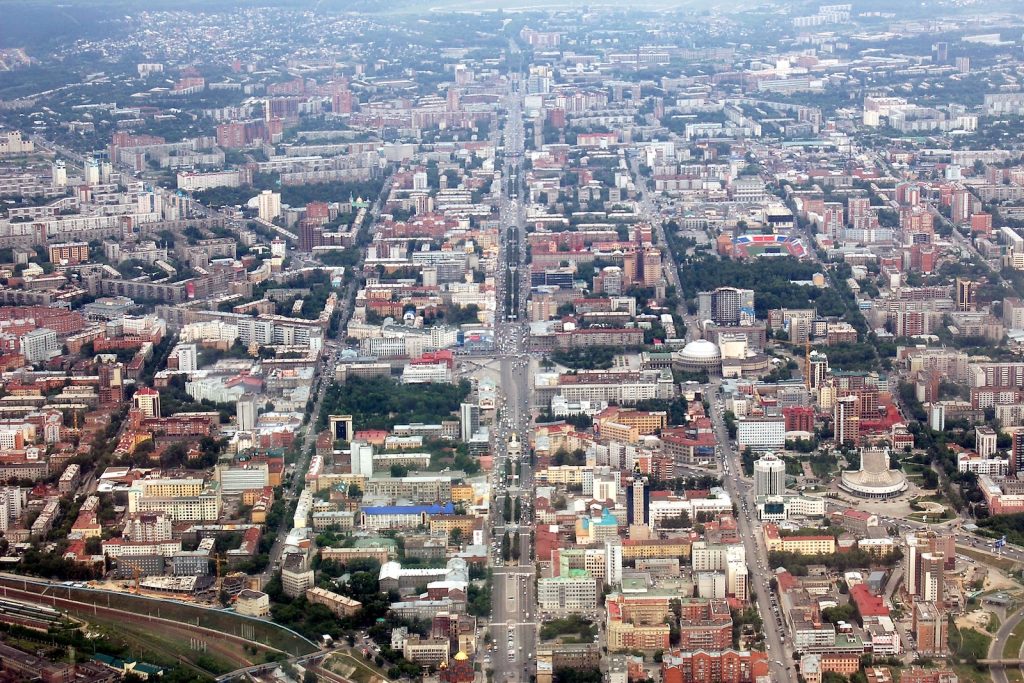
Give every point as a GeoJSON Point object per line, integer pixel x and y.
{"type": "Point", "coordinates": [985, 440]}
{"type": "Point", "coordinates": [613, 561]}
{"type": "Point", "coordinates": [91, 172]}
{"type": "Point", "coordinates": [846, 420]}
{"type": "Point", "coordinates": [147, 401]}
{"type": "Point", "coordinates": [188, 357]}
{"type": "Point", "coordinates": [469, 420]}
{"type": "Point", "coordinates": [246, 414]}
{"type": "Point", "coordinates": [818, 370]}
{"type": "Point", "coordinates": [269, 205]}
{"type": "Point", "coordinates": [311, 234]}
{"type": "Point", "coordinates": [59, 173]}
{"type": "Point", "coordinates": [39, 345]}
{"type": "Point", "coordinates": [965, 294]}
{"type": "Point", "coordinates": [799, 418]}
{"type": "Point", "coordinates": [732, 306]}
{"type": "Point", "coordinates": [769, 475]}
{"type": "Point", "coordinates": [937, 417]}
{"type": "Point", "coordinates": [925, 557]}
{"type": "Point", "coordinates": [651, 267]}
{"type": "Point", "coordinates": [111, 383]}
{"type": "Point", "coordinates": [929, 583]}
{"type": "Point", "coordinates": [930, 629]}
{"type": "Point", "coordinates": [638, 501]}
{"type": "Point", "coordinates": [362, 458]}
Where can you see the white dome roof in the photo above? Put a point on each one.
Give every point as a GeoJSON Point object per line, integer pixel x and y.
{"type": "Point", "coordinates": [701, 349]}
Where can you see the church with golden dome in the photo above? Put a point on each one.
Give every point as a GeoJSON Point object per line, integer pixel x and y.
{"type": "Point", "coordinates": [458, 669]}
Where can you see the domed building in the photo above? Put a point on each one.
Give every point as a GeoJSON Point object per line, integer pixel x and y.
{"type": "Point", "coordinates": [874, 479]}
{"type": "Point", "coordinates": [458, 670]}
{"type": "Point", "coordinates": [698, 356]}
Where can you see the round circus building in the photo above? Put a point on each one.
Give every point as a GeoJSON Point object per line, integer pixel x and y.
{"type": "Point", "coordinates": [698, 356]}
{"type": "Point", "coordinates": [875, 479]}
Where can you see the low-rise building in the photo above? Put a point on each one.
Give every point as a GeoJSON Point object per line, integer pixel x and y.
{"type": "Point", "coordinates": [340, 605]}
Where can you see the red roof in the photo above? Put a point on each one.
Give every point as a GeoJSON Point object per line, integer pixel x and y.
{"type": "Point", "coordinates": [868, 604]}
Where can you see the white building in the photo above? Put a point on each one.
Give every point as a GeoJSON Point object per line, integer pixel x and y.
{"type": "Point", "coordinates": [150, 527]}
{"type": "Point", "coordinates": [197, 182]}
{"type": "Point", "coordinates": [236, 479]}
{"type": "Point", "coordinates": [613, 562]}
{"type": "Point", "coordinates": [269, 205]}
{"type": "Point", "coordinates": [761, 433]}
{"type": "Point", "coordinates": [575, 593]}
{"type": "Point", "coordinates": [12, 502]}
{"type": "Point", "coordinates": [436, 373]}
{"type": "Point", "coordinates": [362, 458]}
{"type": "Point", "coordinates": [188, 357]}
{"type": "Point", "coordinates": [147, 401]}
{"type": "Point", "coordinates": [711, 585]}
{"type": "Point", "coordinates": [246, 414]}
{"type": "Point", "coordinates": [736, 572]}
{"type": "Point", "coordinates": [769, 475]}
{"type": "Point", "coordinates": [993, 465]}
{"type": "Point", "coordinates": [11, 142]}
{"type": "Point", "coordinates": [302, 509]}
{"type": "Point", "coordinates": [39, 345]}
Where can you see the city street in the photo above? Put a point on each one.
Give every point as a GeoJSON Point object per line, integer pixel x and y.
{"type": "Point", "coordinates": [740, 489]}
{"type": "Point", "coordinates": [513, 625]}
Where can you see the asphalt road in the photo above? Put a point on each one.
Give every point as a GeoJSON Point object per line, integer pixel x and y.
{"type": "Point", "coordinates": [995, 650]}
{"type": "Point", "coordinates": [513, 625]}
{"type": "Point", "coordinates": [328, 362]}
{"type": "Point", "coordinates": [780, 654]}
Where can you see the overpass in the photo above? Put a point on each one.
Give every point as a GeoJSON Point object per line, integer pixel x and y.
{"type": "Point", "coordinates": [260, 669]}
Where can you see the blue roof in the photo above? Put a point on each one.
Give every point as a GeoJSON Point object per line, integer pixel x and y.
{"type": "Point", "coordinates": [607, 518]}
{"type": "Point", "coordinates": [435, 509]}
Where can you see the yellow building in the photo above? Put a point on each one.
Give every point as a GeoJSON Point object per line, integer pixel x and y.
{"type": "Point", "coordinates": [634, 549]}
{"type": "Point", "coordinates": [340, 605]}
{"type": "Point", "coordinates": [626, 636]}
{"type": "Point", "coordinates": [344, 555]}
{"type": "Point", "coordinates": [462, 493]}
{"type": "Point", "coordinates": [566, 475]}
{"type": "Point", "coordinates": [258, 514]}
{"type": "Point", "coordinates": [445, 523]}
{"type": "Point", "coordinates": [803, 545]}
{"type": "Point", "coordinates": [645, 421]}
{"type": "Point", "coordinates": [616, 431]}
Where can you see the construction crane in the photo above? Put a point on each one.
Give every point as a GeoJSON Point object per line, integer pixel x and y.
{"type": "Point", "coordinates": [136, 575]}
{"type": "Point", "coordinates": [807, 362]}
{"type": "Point", "coordinates": [218, 560]}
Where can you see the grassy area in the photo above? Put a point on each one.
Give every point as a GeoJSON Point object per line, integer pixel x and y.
{"type": "Point", "coordinates": [1011, 650]}
{"type": "Point", "coordinates": [968, 642]}
{"type": "Point", "coordinates": [259, 632]}
{"type": "Point", "coordinates": [993, 623]}
{"type": "Point", "coordinates": [969, 674]}
{"type": "Point", "coordinates": [579, 629]}
{"type": "Point", "coordinates": [350, 667]}
{"type": "Point", "coordinates": [1014, 675]}
{"type": "Point", "coordinates": [1004, 563]}
{"type": "Point", "coordinates": [161, 649]}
